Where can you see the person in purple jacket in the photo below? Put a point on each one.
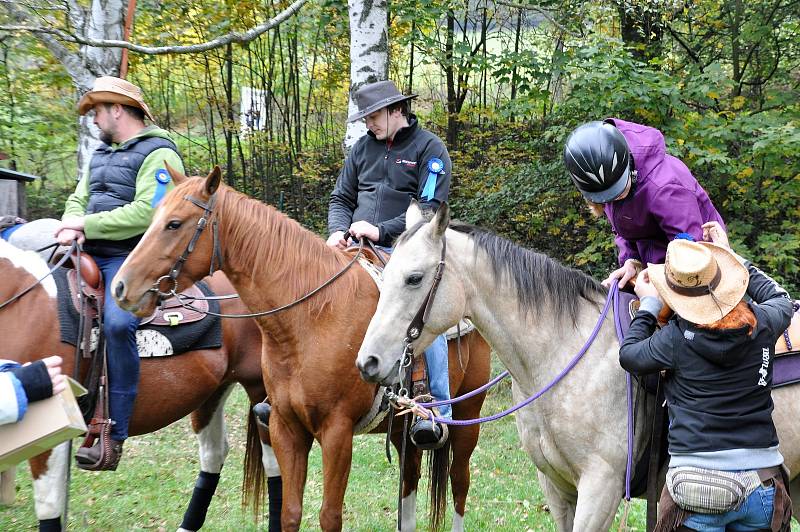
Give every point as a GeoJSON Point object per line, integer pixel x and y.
{"type": "Point", "coordinates": [648, 195]}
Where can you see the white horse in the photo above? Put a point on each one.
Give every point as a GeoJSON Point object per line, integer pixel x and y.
{"type": "Point", "coordinates": [36, 234]}
{"type": "Point", "coordinates": [536, 314]}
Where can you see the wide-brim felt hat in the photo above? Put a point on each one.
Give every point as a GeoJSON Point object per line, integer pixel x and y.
{"type": "Point", "coordinates": [109, 89]}
{"type": "Point", "coordinates": [701, 281]}
{"type": "Point", "coordinates": [373, 96]}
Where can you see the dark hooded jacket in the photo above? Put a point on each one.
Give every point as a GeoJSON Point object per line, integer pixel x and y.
{"type": "Point", "coordinates": [665, 200]}
{"type": "Point", "coordinates": [380, 178]}
{"type": "Point", "coordinates": [718, 389]}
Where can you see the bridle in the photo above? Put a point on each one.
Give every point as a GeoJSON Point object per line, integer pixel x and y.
{"type": "Point", "coordinates": [216, 258]}
{"type": "Point", "coordinates": [414, 329]}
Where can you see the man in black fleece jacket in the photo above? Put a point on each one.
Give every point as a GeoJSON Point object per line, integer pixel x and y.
{"type": "Point", "coordinates": [395, 162]}
{"type": "Point", "coordinates": [718, 352]}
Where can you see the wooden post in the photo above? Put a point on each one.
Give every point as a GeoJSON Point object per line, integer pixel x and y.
{"type": "Point", "coordinates": [13, 199]}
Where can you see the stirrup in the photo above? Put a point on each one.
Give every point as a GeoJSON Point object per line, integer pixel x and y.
{"type": "Point", "coordinates": [99, 451]}
{"type": "Point", "coordinates": [429, 435]}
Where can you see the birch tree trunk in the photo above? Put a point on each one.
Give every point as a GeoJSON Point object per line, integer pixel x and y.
{"type": "Point", "coordinates": [369, 55]}
{"type": "Point", "coordinates": [103, 19]}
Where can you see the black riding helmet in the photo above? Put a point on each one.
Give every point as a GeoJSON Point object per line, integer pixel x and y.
{"type": "Point", "coordinates": [598, 160]}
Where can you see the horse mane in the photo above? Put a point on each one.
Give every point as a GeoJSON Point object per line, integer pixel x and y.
{"type": "Point", "coordinates": [267, 241]}
{"type": "Point", "coordinates": [539, 279]}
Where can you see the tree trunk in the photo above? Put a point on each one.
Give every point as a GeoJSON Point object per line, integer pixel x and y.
{"type": "Point", "coordinates": [102, 20]}
{"type": "Point", "coordinates": [369, 55]}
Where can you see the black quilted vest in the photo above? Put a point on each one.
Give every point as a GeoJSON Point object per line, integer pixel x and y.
{"type": "Point", "coordinates": [112, 184]}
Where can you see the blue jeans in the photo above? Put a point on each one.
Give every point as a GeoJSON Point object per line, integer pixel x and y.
{"type": "Point", "coordinates": [436, 358]}
{"type": "Point", "coordinates": [123, 356]}
{"type": "Point", "coordinates": [754, 514]}
{"type": "Point", "coordinates": [438, 374]}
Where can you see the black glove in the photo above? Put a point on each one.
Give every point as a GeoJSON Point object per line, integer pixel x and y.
{"type": "Point", "coordinates": [35, 380]}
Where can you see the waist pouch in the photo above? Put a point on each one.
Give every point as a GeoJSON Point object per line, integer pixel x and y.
{"type": "Point", "coordinates": [709, 491]}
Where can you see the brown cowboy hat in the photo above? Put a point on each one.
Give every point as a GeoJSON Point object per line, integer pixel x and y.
{"type": "Point", "coordinates": [700, 281]}
{"type": "Point", "coordinates": [369, 98]}
{"type": "Point", "coordinates": [108, 89]}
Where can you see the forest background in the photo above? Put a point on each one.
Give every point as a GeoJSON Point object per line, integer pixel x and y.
{"type": "Point", "coordinates": [502, 82]}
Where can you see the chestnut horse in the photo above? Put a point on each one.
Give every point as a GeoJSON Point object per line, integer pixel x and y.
{"type": "Point", "coordinates": [309, 352]}
{"type": "Point", "coordinates": [197, 382]}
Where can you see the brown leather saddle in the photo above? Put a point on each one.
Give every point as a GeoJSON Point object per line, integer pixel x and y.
{"type": "Point", "coordinates": [169, 313]}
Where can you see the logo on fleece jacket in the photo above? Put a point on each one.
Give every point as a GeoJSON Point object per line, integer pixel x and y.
{"type": "Point", "coordinates": [762, 381]}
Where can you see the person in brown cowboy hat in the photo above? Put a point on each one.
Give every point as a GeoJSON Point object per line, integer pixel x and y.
{"type": "Point", "coordinates": [718, 351]}
{"type": "Point", "coordinates": [109, 212]}
{"type": "Point", "coordinates": [395, 162]}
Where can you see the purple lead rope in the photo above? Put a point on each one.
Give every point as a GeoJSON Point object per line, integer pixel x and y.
{"type": "Point", "coordinates": [473, 393]}
{"type": "Point", "coordinates": [561, 375]}
{"type": "Point", "coordinates": [629, 393]}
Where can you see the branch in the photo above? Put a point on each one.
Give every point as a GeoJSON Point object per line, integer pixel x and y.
{"type": "Point", "coordinates": [233, 37]}
{"type": "Point", "coordinates": [692, 54]}
{"type": "Point", "coordinates": [539, 10]}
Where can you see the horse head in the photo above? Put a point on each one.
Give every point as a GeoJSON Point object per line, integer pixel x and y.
{"type": "Point", "coordinates": [176, 250]}
{"type": "Point", "coordinates": [407, 294]}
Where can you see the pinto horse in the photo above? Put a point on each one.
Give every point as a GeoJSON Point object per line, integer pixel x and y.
{"type": "Point", "coordinates": [308, 359]}
{"type": "Point", "coordinates": [536, 314]}
{"type": "Point", "coordinates": [196, 382]}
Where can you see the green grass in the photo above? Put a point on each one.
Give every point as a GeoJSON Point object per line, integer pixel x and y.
{"type": "Point", "coordinates": [153, 484]}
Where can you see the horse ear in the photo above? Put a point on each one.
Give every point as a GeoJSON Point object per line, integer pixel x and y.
{"type": "Point", "coordinates": [413, 214]}
{"type": "Point", "coordinates": [213, 180]}
{"type": "Point", "coordinates": [441, 220]}
{"type": "Point", "coordinates": [177, 177]}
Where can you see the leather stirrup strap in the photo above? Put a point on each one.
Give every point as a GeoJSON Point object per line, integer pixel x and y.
{"type": "Point", "coordinates": [655, 457]}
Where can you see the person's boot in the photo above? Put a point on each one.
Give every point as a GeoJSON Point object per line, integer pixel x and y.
{"type": "Point", "coordinates": [96, 458]}
{"type": "Point", "coordinates": [262, 412]}
{"type": "Point", "coordinates": [428, 435]}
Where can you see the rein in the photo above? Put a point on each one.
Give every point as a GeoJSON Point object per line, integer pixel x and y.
{"type": "Point", "coordinates": [185, 301]}
{"type": "Point", "coordinates": [60, 263]}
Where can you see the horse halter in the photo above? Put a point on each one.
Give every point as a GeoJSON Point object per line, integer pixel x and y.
{"type": "Point", "coordinates": [415, 327]}
{"type": "Point", "coordinates": [216, 257]}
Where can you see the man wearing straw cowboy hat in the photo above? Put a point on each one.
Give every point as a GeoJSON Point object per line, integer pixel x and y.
{"type": "Point", "coordinates": [725, 465]}
{"type": "Point", "coordinates": [395, 162]}
{"type": "Point", "coordinates": [109, 212]}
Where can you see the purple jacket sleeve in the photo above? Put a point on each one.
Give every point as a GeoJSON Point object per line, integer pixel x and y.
{"type": "Point", "coordinates": [627, 250]}
{"type": "Point", "coordinates": [676, 210]}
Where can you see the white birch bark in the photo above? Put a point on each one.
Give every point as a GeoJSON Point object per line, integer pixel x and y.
{"type": "Point", "coordinates": [369, 55]}
{"type": "Point", "coordinates": [104, 19]}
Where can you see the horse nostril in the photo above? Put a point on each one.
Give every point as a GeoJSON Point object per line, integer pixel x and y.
{"type": "Point", "coordinates": [119, 289]}
{"type": "Point", "coordinates": [369, 368]}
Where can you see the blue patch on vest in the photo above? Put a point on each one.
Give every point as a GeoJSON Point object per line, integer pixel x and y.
{"type": "Point", "coordinates": [6, 233]}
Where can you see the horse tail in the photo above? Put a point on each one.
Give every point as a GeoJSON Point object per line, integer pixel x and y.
{"type": "Point", "coordinates": [439, 473]}
{"type": "Point", "coordinates": [253, 480]}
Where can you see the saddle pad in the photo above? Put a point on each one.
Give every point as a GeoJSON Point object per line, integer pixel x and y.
{"type": "Point", "coordinates": [153, 340]}
{"type": "Point", "coordinates": [786, 369]}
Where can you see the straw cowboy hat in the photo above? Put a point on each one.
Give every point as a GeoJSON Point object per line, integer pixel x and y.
{"type": "Point", "coordinates": [369, 98]}
{"type": "Point", "coordinates": [108, 89]}
{"type": "Point", "coordinates": [700, 281]}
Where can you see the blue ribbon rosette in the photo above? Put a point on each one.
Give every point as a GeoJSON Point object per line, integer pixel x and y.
{"type": "Point", "coordinates": [435, 167]}
{"type": "Point", "coordinates": [162, 179]}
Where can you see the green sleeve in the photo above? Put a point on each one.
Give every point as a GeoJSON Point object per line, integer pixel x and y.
{"type": "Point", "coordinates": [133, 219]}
{"type": "Point", "coordinates": [77, 201]}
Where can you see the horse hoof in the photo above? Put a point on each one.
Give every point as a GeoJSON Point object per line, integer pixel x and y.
{"type": "Point", "coordinates": [262, 411]}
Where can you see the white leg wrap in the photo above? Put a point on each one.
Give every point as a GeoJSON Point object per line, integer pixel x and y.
{"type": "Point", "coordinates": [213, 440]}
{"type": "Point", "coordinates": [50, 489]}
{"type": "Point", "coordinates": [458, 522]}
{"type": "Point", "coordinates": [270, 462]}
{"type": "Point", "coordinates": [409, 512]}
{"type": "Point", "coordinates": [8, 480]}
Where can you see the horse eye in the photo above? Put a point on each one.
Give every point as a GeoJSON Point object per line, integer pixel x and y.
{"type": "Point", "coordinates": [173, 225]}
{"type": "Point", "coordinates": [414, 279]}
